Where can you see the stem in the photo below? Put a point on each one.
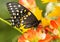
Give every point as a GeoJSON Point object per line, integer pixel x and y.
{"type": "Point", "coordinates": [10, 24]}
{"type": "Point", "coordinates": [5, 21]}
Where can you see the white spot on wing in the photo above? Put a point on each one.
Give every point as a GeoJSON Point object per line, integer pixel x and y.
{"type": "Point", "coordinates": [14, 14]}
{"type": "Point", "coordinates": [29, 13]}
{"type": "Point", "coordinates": [9, 4]}
{"type": "Point", "coordinates": [20, 11]}
{"type": "Point", "coordinates": [18, 5]}
{"type": "Point", "coordinates": [24, 18]}
{"type": "Point", "coordinates": [22, 21]}
{"type": "Point", "coordinates": [14, 17]}
{"type": "Point", "coordinates": [17, 13]}
{"type": "Point", "coordinates": [17, 10]}
{"type": "Point", "coordinates": [12, 20]}
{"type": "Point", "coordinates": [26, 15]}
{"type": "Point", "coordinates": [14, 6]}
{"type": "Point", "coordinates": [12, 10]}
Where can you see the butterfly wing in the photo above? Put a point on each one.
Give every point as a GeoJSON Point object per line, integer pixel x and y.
{"type": "Point", "coordinates": [21, 16]}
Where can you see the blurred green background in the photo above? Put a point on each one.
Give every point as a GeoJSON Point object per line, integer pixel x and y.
{"type": "Point", "coordinates": [7, 33]}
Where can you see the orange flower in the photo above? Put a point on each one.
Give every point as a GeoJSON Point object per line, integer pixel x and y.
{"type": "Point", "coordinates": [47, 39]}
{"type": "Point", "coordinates": [58, 21]}
{"type": "Point", "coordinates": [30, 35]}
{"type": "Point", "coordinates": [30, 4]}
{"type": "Point", "coordinates": [39, 35]}
{"type": "Point", "coordinates": [21, 39]}
{"type": "Point", "coordinates": [55, 37]}
{"type": "Point", "coordinates": [48, 29]}
{"type": "Point", "coordinates": [53, 24]}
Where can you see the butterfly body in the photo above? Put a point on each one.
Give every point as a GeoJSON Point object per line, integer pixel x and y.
{"type": "Point", "coordinates": [21, 15]}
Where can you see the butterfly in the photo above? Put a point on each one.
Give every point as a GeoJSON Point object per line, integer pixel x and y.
{"type": "Point", "coordinates": [21, 16]}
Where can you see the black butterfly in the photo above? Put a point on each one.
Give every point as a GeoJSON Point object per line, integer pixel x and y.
{"type": "Point", "coordinates": [21, 16]}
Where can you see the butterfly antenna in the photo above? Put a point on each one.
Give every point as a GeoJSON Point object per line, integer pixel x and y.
{"type": "Point", "coordinates": [8, 19]}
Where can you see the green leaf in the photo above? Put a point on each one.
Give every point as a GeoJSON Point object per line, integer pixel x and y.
{"type": "Point", "coordinates": [41, 6]}
{"type": "Point", "coordinates": [7, 32]}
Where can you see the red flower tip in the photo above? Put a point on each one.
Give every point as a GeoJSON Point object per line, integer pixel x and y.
{"type": "Point", "coordinates": [53, 24]}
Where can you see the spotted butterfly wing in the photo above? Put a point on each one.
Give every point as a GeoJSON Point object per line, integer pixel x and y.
{"type": "Point", "coordinates": [21, 16]}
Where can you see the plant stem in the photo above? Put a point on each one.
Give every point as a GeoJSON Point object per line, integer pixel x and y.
{"type": "Point", "coordinates": [10, 25]}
